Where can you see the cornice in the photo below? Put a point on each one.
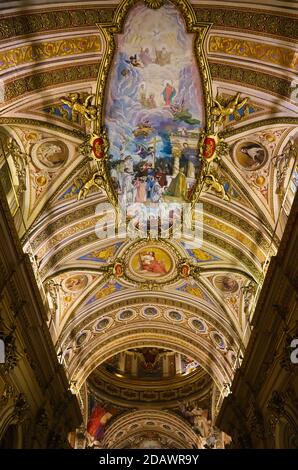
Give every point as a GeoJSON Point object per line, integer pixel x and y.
{"type": "Point", "coordinates": [130, 392]}
{"type": "Point", "coordinates": [20, 121]}
{"type": "Point", "coordinates": [251, 77]}
{"type": "Point", "coordinates": [26, 23]}
{"type": "Point", "coordinates": [259, 124]}
{"type": "Point", "coordinates": [50, 78]}
{"type": "Point", "coordinates": [264, 22]}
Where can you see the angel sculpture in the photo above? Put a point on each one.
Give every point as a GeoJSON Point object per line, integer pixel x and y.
{"type": "Point", "coordinates": [97, 180]}
{"type": "Point", "coordinates": [197, 418]}
{"type": "Point", "coordinates": [52, 288]}
{"type": "Point", "coordinates": [212, 183]}
{"type": "Point", "coordinates": [83, 107]}
{"type": "Point", "coordinates": [249, 293]}
{"type": "Point", "coordinates": [220, 112]}
{"type": "Point", "coordinates": [20, 160]}
{"type": "Point", "coordinates": [281, 163]}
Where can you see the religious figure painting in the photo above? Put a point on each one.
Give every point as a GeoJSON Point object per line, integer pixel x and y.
{"type": "Point", "coordinates": [50, 154]}
{"type": "Point", "coordinates": [152, 262]}
{"type": "Point", "coordinates": [250, 155]}
{"type": "Point", "coordinates": [226, 284]}
{"type": "Point", "coordinates": [154, 108]}
{"type": "Point", "coordinates": [75, 283]}
{"type": "Point", "coordinates": [98, 416]}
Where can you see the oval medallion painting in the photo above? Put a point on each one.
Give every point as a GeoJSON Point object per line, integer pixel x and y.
{"type": "Point", "coordinates": [154, 108]}
{"type": "Point", "coordinates": [250, 156]}
{"type": "Point", "coordinates": [151, 263]}
{"type": "Point", "coordinates": [50, 154]}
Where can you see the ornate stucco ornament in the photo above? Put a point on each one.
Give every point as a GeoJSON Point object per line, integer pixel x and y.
{"type": "Point", "coordinates": [220, 112]}
{"type": "Point", "coordinates": [154, 4]}
{"type": "Point", "coordinates": [81, 106]}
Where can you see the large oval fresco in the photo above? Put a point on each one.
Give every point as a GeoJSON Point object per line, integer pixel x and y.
{"type": "Point", "coordinates": [154, 108]}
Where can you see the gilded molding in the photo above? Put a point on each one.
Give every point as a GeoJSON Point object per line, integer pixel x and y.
{"type": "Point", "coordinates": [32, 83]}
{"type": "Point", "coordinates": [237, 253]}
{"type": "Point", "coordinates": [241, 237]}
{"type": "Point", "coordinates": [86, 212]}
{"type": "Point", "coordinates": [238, 222]}
{"type": "Point", "coordinates": [251, 77]}
{"type": "Point", "coordinates": [151, 297]}
{"type": "Point", "coordinates": [230, 132]}
{"type": "Point", "coordinates": [38, 52]}
{"type": "Point", "coordinates": [46, 125]}
{"type": "Point", "coordinates": [261, 22]}
{"type": "Point", "coordinates": [59, 18]}
{"type": "Point", "coordinates": [195, 386]}
{"type": "Point", "coordinates": [40, 21]}
{"type": "Point", "coordinates": [64, 221]}
{"type": "Point", "coordinates": [269, 53]}
{"type": "Point", "coordinates": [91, 237]}
{"type": "Point", "coordinates": [187, 345]}
{"type": "Point", "coordinates": [84, 241]}
{"type": "Point", "coordinates": [154, 4]}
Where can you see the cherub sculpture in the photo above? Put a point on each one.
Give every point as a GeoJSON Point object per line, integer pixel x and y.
{"type": "Point", "coordinates": [97, 180]}
{"type": "Point", "coordinates": [220, 111]}
{"type": "Point", "coordinates": [83, 107]}
{"type": "Point", "coordinates": [212, 183]}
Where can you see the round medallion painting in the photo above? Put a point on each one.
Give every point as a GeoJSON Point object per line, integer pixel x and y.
{"type": "Point", "coordinates": [50, 154]}
{"type": "Point", "coordinates": [250, 155]}
{"type": "Point", "coordinates": [75, 283]}
{"type": "Point", "coordinates": [150, 311]}
{"type": "Point", "coordinates": [151, 262]}
{"type": "Point", "coordinates": [226, 284]}
{"type": "Point", "coordinates": [125, 315]}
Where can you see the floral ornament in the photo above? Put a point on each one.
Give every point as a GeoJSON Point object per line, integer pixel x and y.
{"type": "Point", "coordinates": [154, 4]}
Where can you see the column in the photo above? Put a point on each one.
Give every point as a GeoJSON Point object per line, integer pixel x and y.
{"type": "Point", "coordinates": [178, 364]}
{"type": "Point", "coordinates": [176, 155]}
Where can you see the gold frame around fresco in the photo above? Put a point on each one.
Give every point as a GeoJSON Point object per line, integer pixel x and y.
{"type": "Point", "coordinates": [108, 31]}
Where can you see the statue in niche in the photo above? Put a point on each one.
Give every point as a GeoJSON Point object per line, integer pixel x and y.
{"type": "Point", "coordinates": [248, 293]}
{"type": "Point", "coordinates": [20, 160]}
{"type": "Point", "coordinates": [197, 418]}
{"type": "Point", "coordinates": [281, 163]}
{"type": "Point", "coordinates": [52, 289]}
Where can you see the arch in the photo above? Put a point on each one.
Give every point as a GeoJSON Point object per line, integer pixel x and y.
{"type": "Point", "coordinates": [11, 434]}
{"type": "Point", "coordinates": [125, 429]}
{"type": "Point", "coordinates": [92, 356]}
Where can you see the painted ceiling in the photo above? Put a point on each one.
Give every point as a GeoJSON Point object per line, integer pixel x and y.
{"type": "Point", "coordinates": [157, 92]}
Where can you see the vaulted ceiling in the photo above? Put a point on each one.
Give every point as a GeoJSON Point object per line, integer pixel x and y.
{"type": "Point", "coordinates": [49, 50]}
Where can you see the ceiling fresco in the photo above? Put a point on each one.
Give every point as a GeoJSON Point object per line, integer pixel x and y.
{"type": "Point", "coordinates": [149, 158]}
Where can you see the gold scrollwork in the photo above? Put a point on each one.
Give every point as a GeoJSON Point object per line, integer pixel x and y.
{"type": "Point", "coordinates": [154, 4]}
